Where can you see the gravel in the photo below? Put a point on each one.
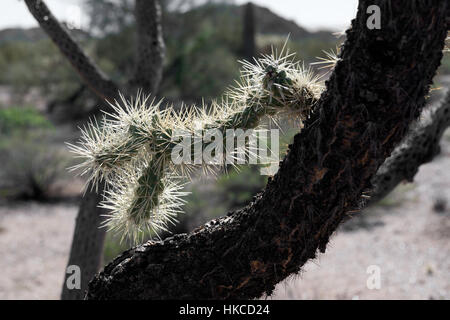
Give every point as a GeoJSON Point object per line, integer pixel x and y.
{"type": "Point", "coordinates": [406, 240]}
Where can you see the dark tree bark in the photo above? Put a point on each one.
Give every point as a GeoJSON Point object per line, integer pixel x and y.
{"type": "Point", "coordinates": [88, 239]}
{"type": "Point", "coordinates": [248, 32]}
{"type": "Point", "coordinates": [150, 46]}
{"type": "Point", "coordinates": [87, 244]}
{"type": "Point", "coordinates": [373, 95]}
{"type": "Point", "coordinates": [419, 147]}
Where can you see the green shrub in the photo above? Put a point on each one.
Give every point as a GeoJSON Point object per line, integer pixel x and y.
{"type": "Point", "coordinates": [31, 163]}
{"type": "Point", "coordinates": [113, 247]}
{"type": "Point", "coordinates": [15, 120]}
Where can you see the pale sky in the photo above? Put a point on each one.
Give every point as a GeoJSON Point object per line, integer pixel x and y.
{"type": "Point", "coordinates": [310, 14]}
{"type": "Point", "coordinates": [313, 14]}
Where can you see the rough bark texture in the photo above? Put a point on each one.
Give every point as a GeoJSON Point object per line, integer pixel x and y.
{"type": "Point", "coordinates": [87, 244]}
{"type": "Point", "coordinates": [150, 46]}
{"type": "Point", "coordinates": [420, 147]}
{"type": "Point", "coordinates": [248, 33]}
{"type": "Point", "coordinates": [88, 71]}
{"type": "Point", "coordinates": [374, 93]}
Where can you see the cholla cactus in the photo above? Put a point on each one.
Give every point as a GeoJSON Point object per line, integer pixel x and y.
{"type": "Point", "coordinates": [131, 148]}
{"type": "Point", "coordinates": [330, 59]}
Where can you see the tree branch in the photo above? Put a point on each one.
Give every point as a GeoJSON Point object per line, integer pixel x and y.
{"type": "Point", "coordinates": [419, 147]}
{"type": "Point", "coordinates": [375, 92]}
{"type": "Point", "coordinates": [150, 46]}
{"type": "Point", "coordinates": [248, 32]}
{"type": "Point", "coordinates": [88, 71]}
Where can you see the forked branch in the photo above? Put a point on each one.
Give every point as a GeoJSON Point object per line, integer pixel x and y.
{"type": "Point", "coordinates": [98, 82]}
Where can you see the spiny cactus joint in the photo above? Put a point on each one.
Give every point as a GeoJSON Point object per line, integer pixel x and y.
{"type": "Point", "coordinates": [131, 148]}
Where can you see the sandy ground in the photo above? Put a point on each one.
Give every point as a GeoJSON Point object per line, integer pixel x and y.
{"type": "Point", "coordinates": [34, 246]}
{"type": "Point", "coordinates": [406, 240]}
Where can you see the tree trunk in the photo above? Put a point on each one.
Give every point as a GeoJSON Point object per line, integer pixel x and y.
{"type": "Point", "coordinates": [87, 244]}
{"type": "Point", "coordinates": [248, 32]}
{"type": "Point", "coordinates": [375, 92]}
{"type": "Point", "coordinates": [150, 46]}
